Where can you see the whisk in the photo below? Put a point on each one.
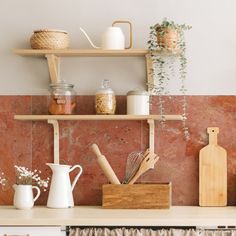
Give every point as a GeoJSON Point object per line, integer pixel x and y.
{"type": "Point", "coordinates": [133, 162]}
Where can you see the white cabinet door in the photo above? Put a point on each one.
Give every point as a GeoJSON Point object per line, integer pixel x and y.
{"type": "Point", "coordinates": [30, 231]}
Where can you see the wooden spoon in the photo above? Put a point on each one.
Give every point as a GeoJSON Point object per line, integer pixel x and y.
{"type": "Point", "coordinates": [148, 163]}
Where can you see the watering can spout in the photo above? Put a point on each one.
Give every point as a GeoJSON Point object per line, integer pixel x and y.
{"type": "Point", "coordinates": [90, 41]}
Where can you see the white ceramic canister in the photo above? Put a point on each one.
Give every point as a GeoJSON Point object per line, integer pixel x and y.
{"type": "Point", "coordinates": [138, 102]}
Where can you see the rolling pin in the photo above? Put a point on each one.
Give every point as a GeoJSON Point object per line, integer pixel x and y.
{"type": "Point", "coordinates": [105, 166]}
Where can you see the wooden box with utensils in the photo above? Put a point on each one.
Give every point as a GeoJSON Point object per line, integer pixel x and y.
{"type": "Point", "coordinates": [137, 196]}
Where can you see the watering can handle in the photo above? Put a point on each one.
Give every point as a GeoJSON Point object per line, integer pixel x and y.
{"type": "Point", "coordinates": [77, 176]}
{"type": "Point", "coordinates": [130, 30]}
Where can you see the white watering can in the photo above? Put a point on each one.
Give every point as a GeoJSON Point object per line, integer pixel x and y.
{"type": "Point", "coordinates": [60, 193]}
{"type": "Point", "coordinates": [113, 38]}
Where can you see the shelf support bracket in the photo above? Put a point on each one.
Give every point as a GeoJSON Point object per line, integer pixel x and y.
{"type": "Point", "coordinates": [54, 67]}
{"type": "Point", "coordinates": [55, 125]}
{"type": "Point", "coordinates": [151, 124]}
{"type": "Point", "coordinates": [149, 68]}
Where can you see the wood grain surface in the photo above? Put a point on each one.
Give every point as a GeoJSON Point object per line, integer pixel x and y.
{"type": "Point", "coordinates": [137, 196]}
{"type": "Point", "coordinates": [213, 172]}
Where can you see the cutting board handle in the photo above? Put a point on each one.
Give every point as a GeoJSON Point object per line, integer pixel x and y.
{"type": "Point", "coordinates": [212, 131]}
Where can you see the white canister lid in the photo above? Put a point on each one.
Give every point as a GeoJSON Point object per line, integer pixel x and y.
{"type": "Point", "coordinates": [138, 92]}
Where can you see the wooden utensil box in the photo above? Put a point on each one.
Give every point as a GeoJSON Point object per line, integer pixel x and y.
{"type": "Point", "coordinates": [137, 196]}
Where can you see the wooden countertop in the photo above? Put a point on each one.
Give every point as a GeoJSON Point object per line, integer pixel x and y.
{"type": "Point", "coordinates": [96, 216]}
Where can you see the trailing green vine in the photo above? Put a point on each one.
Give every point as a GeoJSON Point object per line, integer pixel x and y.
{"type": "Point", "coordinates": [168, 37]}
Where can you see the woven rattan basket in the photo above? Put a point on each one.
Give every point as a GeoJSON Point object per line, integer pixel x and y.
{"type": "Point", "coordinates": [49, 39]}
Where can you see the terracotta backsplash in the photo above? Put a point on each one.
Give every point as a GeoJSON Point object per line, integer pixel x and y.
{"type": "Point", "coordinates": [31, 144]}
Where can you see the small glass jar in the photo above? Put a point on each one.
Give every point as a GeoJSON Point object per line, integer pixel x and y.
{"type": "Point", "coordinates": [105, 100]}
{"type": "Point", "coordinates": [62, 100]}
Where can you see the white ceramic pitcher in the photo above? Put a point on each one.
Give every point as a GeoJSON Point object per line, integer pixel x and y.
{"type": "Point", "coordinates": [60, 193]}
{"type": "Point", "coordinates": [23, 197]}
{"type": "Point", "coordinates": [113, 38]}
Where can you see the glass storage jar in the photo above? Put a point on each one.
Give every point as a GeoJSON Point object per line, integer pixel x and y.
{"type": "Point", "coordinates": [105, 100]}
{"type": "Point", "coordinates": [62, 99]}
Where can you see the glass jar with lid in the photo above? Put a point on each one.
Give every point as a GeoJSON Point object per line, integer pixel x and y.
{"type": "Point", "coordinates": [105, 100]}
{"type": "Point", "coordinates": [62, 99]}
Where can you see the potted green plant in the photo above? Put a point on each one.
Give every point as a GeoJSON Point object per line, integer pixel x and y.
{"type": "Point", "coordinates": [167, 49]}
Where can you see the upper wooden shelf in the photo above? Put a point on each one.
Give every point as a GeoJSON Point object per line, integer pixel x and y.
{"type": "Point", "coordinates": [90, 52]}
{"type": "Point", "coordinates": [53, 57]}
{"type": "Point", "coordinates": [83, 52]}
{"type": "Point", "coordinates": [96, 117]}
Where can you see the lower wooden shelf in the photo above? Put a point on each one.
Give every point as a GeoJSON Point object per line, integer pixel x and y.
{"type": "Point", "coordinates": [53, 120]}
{"type": "Point", "coordinates": [97, 117]}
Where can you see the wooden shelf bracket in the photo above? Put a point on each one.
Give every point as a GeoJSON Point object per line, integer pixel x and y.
{"type": "Point", "coordinates": [151, 124]}
{"type": "Point", "coordinates": [54, 67]}
{"type": "Point", "coordinates": [149, 68]}
{"type": "Point", "coordinates": [55, 125]}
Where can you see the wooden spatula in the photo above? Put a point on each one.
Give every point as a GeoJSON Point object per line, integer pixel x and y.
{"type": "Point", "coordinates": [147, 163]}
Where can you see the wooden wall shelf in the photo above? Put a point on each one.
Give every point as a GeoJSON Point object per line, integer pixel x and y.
{"type": "Point", "coordinates": [53, 120]}
{"type": "Point", "coordinates": [88, 52]}
{"type": "Point", "coordinates": [53, 57]}
{"type": "Point", "coordinates": [82, 52]}
{"type": "Point", "coordinates": [97, 117]}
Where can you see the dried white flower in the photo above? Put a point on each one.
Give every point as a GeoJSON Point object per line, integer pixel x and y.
{"type": "Point", "coordinates": [28, 177]}
{"type": "Point", "coordinates": [3, 180]}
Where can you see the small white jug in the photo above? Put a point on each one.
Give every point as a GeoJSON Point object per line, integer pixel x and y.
{"type": "Point", "coordinates": [23, 197]}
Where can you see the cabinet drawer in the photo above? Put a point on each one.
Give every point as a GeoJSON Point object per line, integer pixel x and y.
{"type": "Point", "coordinates": [30, 231]}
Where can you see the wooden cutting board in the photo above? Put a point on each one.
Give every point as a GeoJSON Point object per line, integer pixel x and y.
{"type": "Point", "coordinates": [213, 172]}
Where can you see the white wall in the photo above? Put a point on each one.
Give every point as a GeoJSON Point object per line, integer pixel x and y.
{"type": "Point", "coordinates": [211, 43]}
